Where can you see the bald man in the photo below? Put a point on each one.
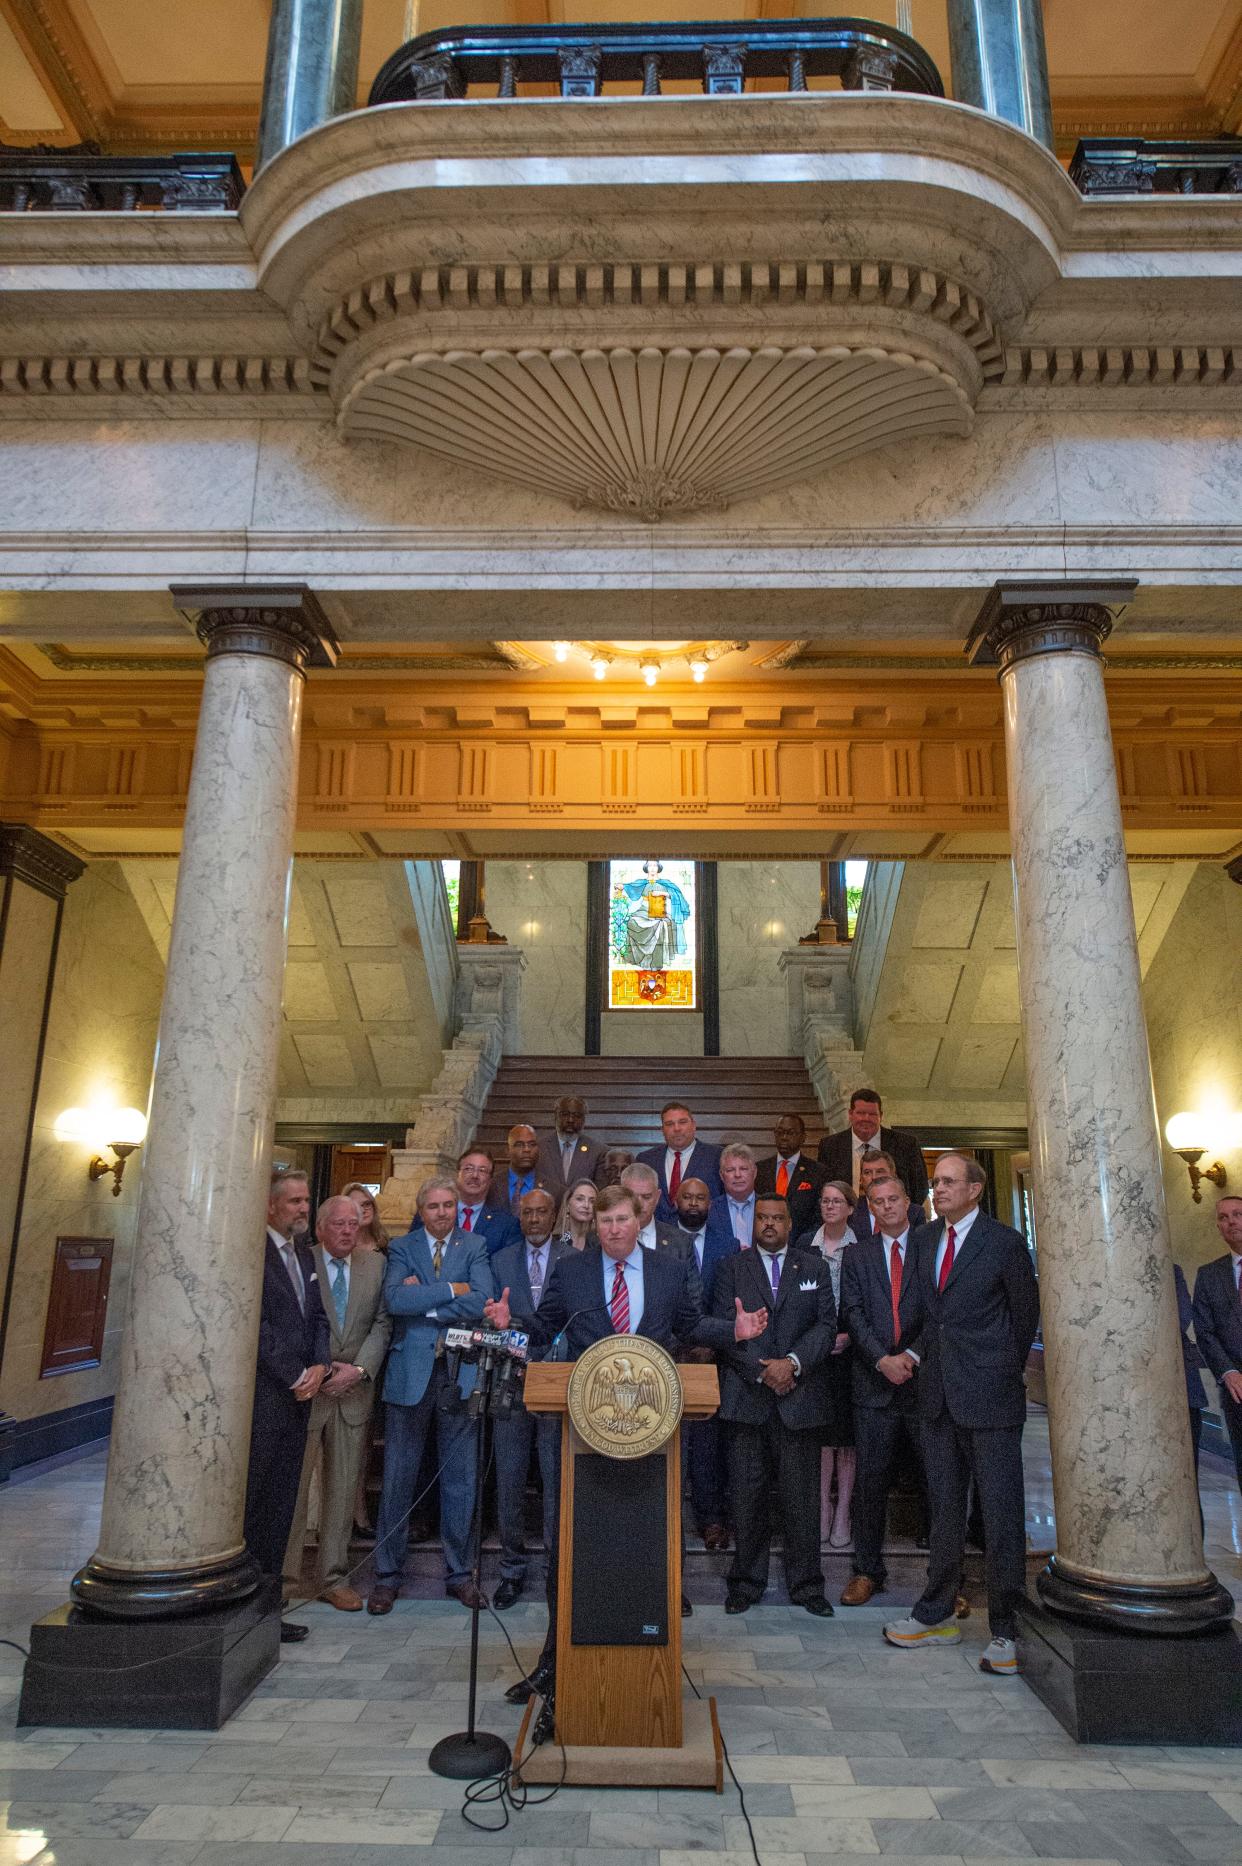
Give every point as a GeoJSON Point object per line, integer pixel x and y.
{"type": "Point", "coordinates": [522, 1172]}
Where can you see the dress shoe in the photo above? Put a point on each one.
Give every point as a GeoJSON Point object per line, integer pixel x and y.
{"type": "Point", "coordinates": [534, 1686]}
{"type": "Point", "coordinates": [738, 1603]}
{"type": "Point", "coordinates": [961, 1608]}
{"type": "Point", "coordinates": [858, 1590]}
{"type": "Point", "coordinates": [508, 1591]}
{"type": "Point", "coordinates": [382, 1597]}
{"type": "Point", "coordinates": [291, 1634]}
{"type": "Point", "coordinates": [819, 1607]}
{"type": "Point", "coordinates": [715, 1536]}
{"type": "Point", "coordinates": [686, 1608]}
{"type": "Point", "coordinates": [467, 1593]}
{"type": "Point", "coordinates": [362, 1532]}
{"type": "Point", "coordinates": [544, 1728]}
{"type": "Point", "coordinates": [343, 1598]}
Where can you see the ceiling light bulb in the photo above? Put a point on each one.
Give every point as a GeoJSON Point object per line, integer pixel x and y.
{"type": "Point", "coordinates": [561, 650]}
{"type": "Point", "coordinates": [650, 671]}
{"type": "Point", "coordinates": [698, 667]}
{"type": "Point", "coordinates": [600, 666]}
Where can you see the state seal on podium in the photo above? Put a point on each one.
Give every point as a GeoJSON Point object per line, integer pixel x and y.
{"type": "Point", "coordinates": [625, 1396]}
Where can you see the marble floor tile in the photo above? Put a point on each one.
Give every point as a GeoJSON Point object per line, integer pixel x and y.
{"type": "Point", "coordinates": [179, 1822]}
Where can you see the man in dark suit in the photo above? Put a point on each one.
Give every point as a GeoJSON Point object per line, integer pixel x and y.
{"type": "Point", "coordinates": [522, 1173]}
{"type": "Point", "coordinates": [792, 1176]}
{"type": "Point", "coordinates": [495, 1224]}
{"type": "Point", "coordinates": [1218, 1320]}
{"type": "Point", "coordinates": [706, 1242]}
{"type": "Point", "coordinates": [437, 1278]}
{"type": "Point", "coordinates": [774, 1405]}
{"type": "Point", "coordinates": [520, 1273]}
{"type": "Point", "coordinates": [681, 1157]}
{"type": "Point", "coordinates": [881, 1311]}
{"type": "Point", "coordinates": [653, 1233]}
{"type": "Point", "coordinates": [294, 1360]}
{"type": "Point", "coordinates": [567, 1153]}
{"type": "Point", "coordinates": [980, 1309]}
{"type": "Point", "coordinates": [841, 1153]}
{"type": "Point", "coordinates": [872, 1166]}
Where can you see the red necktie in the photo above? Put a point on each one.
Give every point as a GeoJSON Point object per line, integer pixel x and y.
{"type": "Point", "coordinates": [947, 1262]}
{"type": "Point", "coordinates": [465, 1223]}
{"type": "Point", "coordinates": [894, 1273]}
{"type": "Point", "coordinates": [782, 1179]}
{"type": "Point", "coordinates": [674, 1178]}
{"type": "Point", "coordinates": [619, 1303]}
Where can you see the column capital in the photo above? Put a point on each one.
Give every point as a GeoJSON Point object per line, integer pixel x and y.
{"type": "Point", "coordinates": [37, 860]}
{"type": "Point", "coordinates": [284, 621]}
{"type": "Point", "coordinates": [1024, 618]}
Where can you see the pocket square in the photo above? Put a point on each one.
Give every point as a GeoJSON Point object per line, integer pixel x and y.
{"type": "Point", "coordinates": [809, 1284]}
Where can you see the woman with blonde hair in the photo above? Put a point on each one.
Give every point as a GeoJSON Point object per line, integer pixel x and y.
{"type": "Point", "coordinates": [575, 1222]}
{"type": "Point", "coordinates": [371, 1233]}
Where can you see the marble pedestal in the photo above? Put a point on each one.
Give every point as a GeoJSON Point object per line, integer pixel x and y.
{"type": "Point", "coordinates": [187, 1674]}
{"type": "Point", "coordinates": [1106, 1686]}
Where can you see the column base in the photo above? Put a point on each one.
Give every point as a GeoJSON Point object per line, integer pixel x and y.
{"type": "Point", "coordinates": [1202, 1607]}
{"type": "Point", "coordinates": [188, 1674]}
{"type": "Point", "coordinates": [1108, 1686]}
{"type": "Point", "coordinates": [157, 1594]}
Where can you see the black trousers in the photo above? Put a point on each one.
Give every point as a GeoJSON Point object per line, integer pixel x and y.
{"type": "Point", "coordinates": [768, 1462]}
{"type": "Point", "coordinates": [881, 1433]}
{"type": "Point", "coordinates": [1233, 1425]}
{"type": "Point", "coordinates": [277, 1445]}
{"type": "Point", "coordinates": [953, 1455]}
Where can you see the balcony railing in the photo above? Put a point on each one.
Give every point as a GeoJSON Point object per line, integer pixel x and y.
{"type": "Point", "coordinates": [1117, 165]}
{"type": "Point", "coordinates": [719, 55]}
{"type": "Point", "coordinates": [64, 181]}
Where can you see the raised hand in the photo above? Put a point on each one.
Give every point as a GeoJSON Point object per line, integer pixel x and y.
{"type": "Point", "coordinates": [497, 1310]}
{"type": "Point", "coordinates": [748, 1324]}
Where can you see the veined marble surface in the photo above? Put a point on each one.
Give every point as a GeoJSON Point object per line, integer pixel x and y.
{"type": "Point", "coordinates": [1122, 1472]}
{"type": "Point", "coordinates": [541, 907]}
{"type": "Point", "coordinates": [763, 907]}
{"type": "Point", "coordinates": [177, 1467]}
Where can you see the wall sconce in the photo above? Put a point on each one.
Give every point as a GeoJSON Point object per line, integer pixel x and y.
{"type": "Point", "coordinates": [125, 1128]}
{"type": "Point", "coordinates": [1190, 1135]}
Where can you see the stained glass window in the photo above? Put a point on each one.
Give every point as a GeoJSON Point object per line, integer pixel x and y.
{"type": "Point", "coordinates": [652, 936]}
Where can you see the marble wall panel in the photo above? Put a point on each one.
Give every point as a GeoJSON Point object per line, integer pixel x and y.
{"type": "Point", "coordinates": [997, 1000]}
{"type": "Point", "coordinates": [380, 990]}
{"type": "Point", "coordinates": [100, 1049]}
{"type": "Point", "coordinates": [949, 911]}
{"type": "Point", "coordinates": [360, 910]}
{"type": "Point", "coordinates": [763, 907]}
{"type": "Point", "coordinates": [308, 995]}
{"type": "Point", "coordinates": [655, 1034]}
{"type": "Point", "coordinates": [541, 907]}
{"type": "Point", "coordinates": [158, 476]}
{"type": "Point", "coordinates": [326, 1060]}
{"type": "Point", "coordinates": [29, 929]}
{"type": "Point", "coordinates": [922, 992]}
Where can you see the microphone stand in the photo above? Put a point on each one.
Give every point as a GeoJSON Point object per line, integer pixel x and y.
{"type": "Point", "coordinates": [470, 1755]}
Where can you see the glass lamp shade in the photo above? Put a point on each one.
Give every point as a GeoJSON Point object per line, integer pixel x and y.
{"type": "Point", "coordinates": [1186, 1131]}
{"type": "Point", "coordinates": [71, 1125]}
{"type": "Point", "coordinates": [127, 1127]}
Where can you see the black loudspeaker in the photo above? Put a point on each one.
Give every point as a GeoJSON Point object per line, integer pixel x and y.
{"type": "Point", "coordinates": [620, 1552]}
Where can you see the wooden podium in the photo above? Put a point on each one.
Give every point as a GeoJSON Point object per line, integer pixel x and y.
{"type": "Point", "coordinates": [620, 1713]}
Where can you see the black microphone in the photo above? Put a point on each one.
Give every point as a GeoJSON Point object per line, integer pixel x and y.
{"type": "Point", "coordinates": [590, 1309]}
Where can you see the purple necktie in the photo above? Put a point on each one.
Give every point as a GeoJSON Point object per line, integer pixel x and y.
{"type": "Point", "coordinates": [774, 1264]}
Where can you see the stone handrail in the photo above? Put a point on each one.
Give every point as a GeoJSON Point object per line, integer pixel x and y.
{"type": "Point", "coordinates": [721, 55]}
{"type": "Point", "coordinates": [82, 179]}
{"type": "Point", "coordinates": [1113, 165]}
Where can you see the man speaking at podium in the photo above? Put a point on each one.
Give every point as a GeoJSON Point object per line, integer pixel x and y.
{"type": "Point", "coordinates": [619, 1289]}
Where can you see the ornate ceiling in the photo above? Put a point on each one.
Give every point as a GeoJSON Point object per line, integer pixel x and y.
{"type": "Point", "coordinates": [135, 76]}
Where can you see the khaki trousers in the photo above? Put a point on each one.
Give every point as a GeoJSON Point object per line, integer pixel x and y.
{"type": "Point", "coordinates": [337, 1445]}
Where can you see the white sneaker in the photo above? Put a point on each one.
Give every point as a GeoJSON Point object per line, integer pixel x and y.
{"type": "Point", "coordinates": [914, 1633]}
{"type": "Point", "coordinates": [1000, 1656]}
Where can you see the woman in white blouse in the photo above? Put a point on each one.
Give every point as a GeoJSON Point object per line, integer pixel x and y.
{"type": "Point", "coordinates": [836, 1202]}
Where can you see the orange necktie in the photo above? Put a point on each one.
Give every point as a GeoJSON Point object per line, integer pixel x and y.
{"type": "Point", "coordinates": [782, 1179]}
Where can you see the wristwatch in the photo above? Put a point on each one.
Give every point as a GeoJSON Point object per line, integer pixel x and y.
{"type": "Point", "coordinates": [360, 1369]}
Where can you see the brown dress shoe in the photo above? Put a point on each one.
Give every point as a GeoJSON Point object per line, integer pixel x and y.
{"type": "Point", "coordinates": [343, 1598]}
{"type": "Point", "coordinates": [715, 1536]}
{"type": "Point", "coordinates": [858, 1590]}
{"type": "Point", "coordinates": [381, 1598]}
{"type": "Point", "coordinates": [468, 1594]}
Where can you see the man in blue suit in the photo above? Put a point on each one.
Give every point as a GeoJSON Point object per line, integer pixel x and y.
{"type": "Point", "coordinates": [438, 1277]}
{"type": "Point", "coordinates": [681, 1157]}
{"type": "Point", "coordinates": [708, 1240]}
{"type": "Point", "coordinates": [1218, 1319]}
{"type": "Point", "coordinates": [495, 1224]}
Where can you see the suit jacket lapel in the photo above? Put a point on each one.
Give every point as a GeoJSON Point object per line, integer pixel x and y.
{"type": "Point", "coordinates": [789, 1270]}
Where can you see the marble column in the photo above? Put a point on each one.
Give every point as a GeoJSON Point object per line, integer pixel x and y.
{"type": "Point", "coordinates": [1129, 1546]}
{"type": "Point", "coordinates": [171, 1535]}
{"type": "Point", "coordinates": [1000, 63]}
{"type": "Point", "coordinates": [35, 874]}
{"type": "Point", "coordinates": [312, 69]}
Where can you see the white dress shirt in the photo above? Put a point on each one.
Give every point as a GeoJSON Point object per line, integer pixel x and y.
{"type": "Point", "coordinates": [633, 1268]}
{"type": "Point", "coordinates": [670, 1154]}
{"type": "Point", "coordinates": [472, 1211]}
{"type": "Point", "coordinates": [647, 1236]}
{"type": "Point", "coordinates": [960, 1228]}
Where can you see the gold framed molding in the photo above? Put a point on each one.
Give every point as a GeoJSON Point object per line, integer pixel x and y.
{"type": "Point", "coordinates": [418, 767]}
